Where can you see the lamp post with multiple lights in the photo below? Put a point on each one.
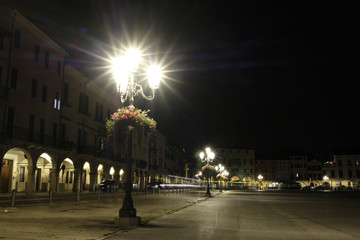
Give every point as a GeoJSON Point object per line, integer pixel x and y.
{"type": "Point", "coordinates": [222, 173]}
{"type": "Point", "coordinates": [260, 178]}
{"type": "Point", "coordinates": [124, 69]}
{"type": "Point", "coordinates": [207, 157]}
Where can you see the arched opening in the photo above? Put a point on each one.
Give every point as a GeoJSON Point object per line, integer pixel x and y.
{"type": "Point", "coordinates": [66, 176]}
{"type": "Point", "coordinates": [85, 181]}
{"type": "Point", "coordinates": [42, 174]}
{"type": "Point", "coordinates": [15, 169]}
{"type": "Point", "coordinates": [121, 178]}
{"type": "Point", "coordinates": [100, 172]}
{"type": "Point", "coordinates": [112, 172]}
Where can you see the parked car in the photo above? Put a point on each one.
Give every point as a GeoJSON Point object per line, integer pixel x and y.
{"type": "Point", "coordinates": [108, 186]}
{"type": "Point", "coordinates": [320, 187]}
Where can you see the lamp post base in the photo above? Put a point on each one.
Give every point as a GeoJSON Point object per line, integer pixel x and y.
{"type": "Point", "coordinates": [127, 221]}
{"type": "Point", "coordinates": [208, 194]}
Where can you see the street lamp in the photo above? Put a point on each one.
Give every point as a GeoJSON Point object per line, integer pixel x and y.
{"type": "Point", "coordinates": [207, 157]}
{"type": "Point", "coordinates": [326, 178]}
{"type": "Point", "coordinates": [220, 169]}
{"type": "Point", "coordinates": [260, 178]}
{"type": "Point", "coordinates": [124, 69]}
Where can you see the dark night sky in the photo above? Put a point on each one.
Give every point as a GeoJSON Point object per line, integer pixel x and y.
{"type": "Point", "coordinates": [279, 76]}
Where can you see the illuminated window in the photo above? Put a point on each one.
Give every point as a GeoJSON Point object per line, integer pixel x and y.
{"type": "Point", "coordinates": [57, 101]}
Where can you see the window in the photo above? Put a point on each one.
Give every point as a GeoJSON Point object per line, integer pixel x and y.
{"type": "Point", "coordinates": [33, 88]}
{"type": "Point", "coordinates": [57, 101]}
{"type": "Point", "coordinates": [357, 173]}
{"type": "Point", "coordinates": [44, 94]}
{"type": "Point", "coordinates": [99, 109]}
{"type": "Point", "coordinates": [67, 177]}
{"type": "Point", "coordinates": [65, 95]}
{"type": "Point", "coordinates": [31, 127]}
{"type": "Point", "coordinates": [339, 163]}
{"type": "Point", "coordinates": [1, 42]}
{"type": "Point", "coordinates": [47, 59]}
{"type": "Point", "coordinates": [42, 131]}
{"type": "Point", "coordinates": [14, 77]}
{"type": "Point", "coordinates": [10, 121]}
{"type": "Point", "coordinates": [22, 174]}
{"type": "Point", "coordinates": [340, 173]}
{"type": "Point", "coordinates": [350, 173]}
{"type": "Point", "coordinates": [84, 104]}
{"type": "Point", "coordinates": [37, 52]}
{"type": "Point", "coordinates": [82, 138]}
{"type": "Point", "coordinates": [58, 68]}
{"type": "Point", "coordinates": [17, 39]}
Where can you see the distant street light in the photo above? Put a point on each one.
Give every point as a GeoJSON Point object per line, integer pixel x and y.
{"type": "Point", "coordinates": [207, 157]}
{"type": "Point", "coordinates": [326, 178]}
{"type": "Point", "coordinates": [221, 170]}
{"type": "Point", "coordinates": [260, 178]}
{"type": "Point", "coordinates": [124, 69]}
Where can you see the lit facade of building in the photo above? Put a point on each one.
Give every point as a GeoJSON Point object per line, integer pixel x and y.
{"type": "Point", "coordinates": [239, 162]}
{"type": "Point", "coordinates": [52, 125]}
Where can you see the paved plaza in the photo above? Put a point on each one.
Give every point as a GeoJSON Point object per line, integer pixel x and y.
{"type": "Point", "coordinates": [228, 215]}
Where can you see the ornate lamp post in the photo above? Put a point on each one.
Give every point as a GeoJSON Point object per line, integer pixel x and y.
{"type": "Point", "coordinates": [124, 69]}
{"type": "Point", "coordinates": [207, 157]}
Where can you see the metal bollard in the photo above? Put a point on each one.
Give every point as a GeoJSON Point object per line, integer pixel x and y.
{"type": "Point", "coordinates": [13, 198]}
{"type": "Point", "coordinates": [50, 197]}
{"type": "Point", "coordinates": [98, 197]}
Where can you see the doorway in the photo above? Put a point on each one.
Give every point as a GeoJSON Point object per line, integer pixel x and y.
{"type": "Point", "coordinates": [6, 175]}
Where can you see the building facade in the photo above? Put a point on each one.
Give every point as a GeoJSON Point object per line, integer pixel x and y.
{"type": "Point", "coordinates": [239, 162]}
{"type": "Point", "coordinates": [52, 125]}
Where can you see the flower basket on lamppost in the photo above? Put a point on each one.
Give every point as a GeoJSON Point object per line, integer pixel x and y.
{"type": "Point", "coordinates": [208, 171]}
{"type": "Point", "coordinates": [123, 122]}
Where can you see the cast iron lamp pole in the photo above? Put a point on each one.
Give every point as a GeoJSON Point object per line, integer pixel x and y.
{"type": "Point", "coordinates": [124, 69]}
{"type": "Point", "coordinates": [207, 157]}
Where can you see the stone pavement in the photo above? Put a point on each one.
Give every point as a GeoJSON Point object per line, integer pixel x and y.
{"type": "Point", "coordinates": [90, 218]}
